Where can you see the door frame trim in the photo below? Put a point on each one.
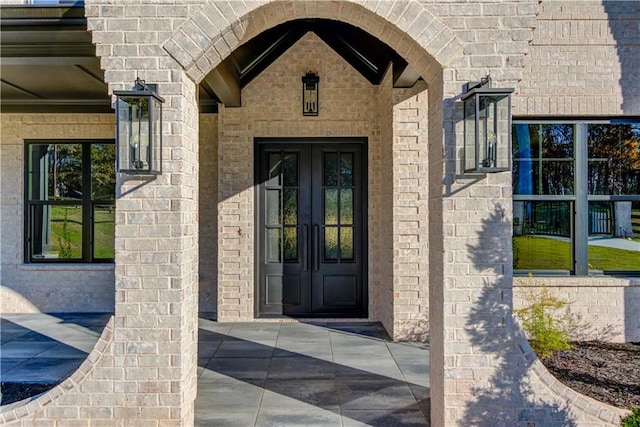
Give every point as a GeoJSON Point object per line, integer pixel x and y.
{"type": "Point", "coordinates": [362, 140]}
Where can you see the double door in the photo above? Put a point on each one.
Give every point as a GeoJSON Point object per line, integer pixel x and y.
{"type": "Point", "coordinates": [311, 228]}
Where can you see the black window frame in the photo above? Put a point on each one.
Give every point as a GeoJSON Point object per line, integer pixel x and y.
{"type": "Point", "coordinates": [580, 198]}
{"type": "Point", "coordinates": [86, 201]}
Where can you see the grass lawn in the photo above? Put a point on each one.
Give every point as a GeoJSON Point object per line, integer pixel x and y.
{"type": "Point", "coordinates": [542, 253]}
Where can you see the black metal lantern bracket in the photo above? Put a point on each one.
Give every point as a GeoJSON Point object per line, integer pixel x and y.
{"type": "Point", "coordinates": [139, 129]}
{"type": "Point", "coordinates": [487, 127]}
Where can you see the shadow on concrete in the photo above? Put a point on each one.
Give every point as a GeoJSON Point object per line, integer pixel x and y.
{"type": "Point", "coordinates": [508, 399]}
{"type": "Point", "coordinates": [38, 351]}
{"type": "Point", "coordinates": [309, 375]}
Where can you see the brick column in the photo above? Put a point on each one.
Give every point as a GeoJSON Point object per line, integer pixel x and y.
{"type": "Point", "coordinates": [155, 329]}
{"type": "Point", "coordinates": [410, 215]}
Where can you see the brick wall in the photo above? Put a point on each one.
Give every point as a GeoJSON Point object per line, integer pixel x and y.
{"type": "Point", "coordinates": [39, 287]}
{"type": "Point", "coordinates": [582, 61]}
{"type": "Point", "coordinates": [602, 308]}
{"type": "Point", "coordinates": [410, 154]}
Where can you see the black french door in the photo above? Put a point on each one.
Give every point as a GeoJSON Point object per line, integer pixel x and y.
{"type": "Point", "coordinates": [311, 224]}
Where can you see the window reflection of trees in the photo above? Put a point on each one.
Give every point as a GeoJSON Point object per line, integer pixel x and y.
{"type": "Point", "coordinates": [544, 159]}
{"type": "Point", "coordinates": [614, 159]}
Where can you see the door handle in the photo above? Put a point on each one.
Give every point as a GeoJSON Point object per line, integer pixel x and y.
{"type": "Point", "coordinates": [305, 248]}
{"type": "Point", "coordinates": [316, 247]}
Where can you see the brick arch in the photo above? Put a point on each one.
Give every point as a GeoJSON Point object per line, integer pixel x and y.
{"type": "Point", "coordinates": [209, 36]}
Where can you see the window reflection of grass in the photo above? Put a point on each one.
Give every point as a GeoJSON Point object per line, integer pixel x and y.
{"type": "Point", "coordinates": [603, 258]}
{"type": "Point", "coordinates": [66, 231]}
{"type": "Point", "coordinates": [541, 253]}
{"type": "Point", "coordinates": [66, 240]}
{"type": "Point", "coordinates": [104, 232]}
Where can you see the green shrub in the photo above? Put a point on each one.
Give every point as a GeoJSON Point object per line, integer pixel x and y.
{"type": "Point", "coordinates": [542, 320]}
{"type": "Point", "coordinates": [632, 420]}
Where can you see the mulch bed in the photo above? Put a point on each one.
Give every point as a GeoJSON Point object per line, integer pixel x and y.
{"type": "Point", "coordinates": [608, 372]}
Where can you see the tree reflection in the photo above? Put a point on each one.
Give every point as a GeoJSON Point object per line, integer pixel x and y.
{"type": "Point", "coordinates": [614, 159]}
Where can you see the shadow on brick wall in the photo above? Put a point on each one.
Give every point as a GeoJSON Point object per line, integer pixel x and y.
{"type": "Point", "coordinates": [623, 24]}
{"type": "Point", "coordinates": [508, 399]}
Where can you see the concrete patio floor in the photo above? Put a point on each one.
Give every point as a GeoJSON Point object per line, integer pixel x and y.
{"type": "Point", "coordinates": [254, 374]}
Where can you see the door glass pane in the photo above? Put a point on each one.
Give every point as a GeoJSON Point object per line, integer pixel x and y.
{"type": "Point", "coordinates": [55, 171]}
{"type": "Point", "coordinates": [330, 206]}
{"type": "Point", "coordinates": [346, 169]}
{"type": "Point", "coordinates": [330, 169]}
{"type": "Point", "coordinates": [614, 236]}
{"type": "Point", "coordinates": [542, 236]}
{"type": "Point", "coordinates": [291, 169]}
{"type": "Point", "coordinates": [275, 169]}
{"type": "Point", "coordinates": [290, 244]}
{"type": "Point", "coordinates": [346, 243]}
{"type": "Point", "coordinates": [291, 206]}
{"type": "Point", "coordinates": [273, 207]}
{"type": "Point", "coordinates": [104, 231]}
{"type": "Point", "coordinates": [103, 174]}
{"type": "Point", "coordinates": [331, 243]}
{"type": "Point", "coordinates": [346, 206]}
{"type": "Point", "coordinates": [273, 245]}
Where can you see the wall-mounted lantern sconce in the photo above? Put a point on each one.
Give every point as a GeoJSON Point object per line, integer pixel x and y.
{"type": "Point", "coordinates": [487, 127]}
{"type": "Point", "coordinates": [310, 94]}
{"type": "Point", "coordinates": [139, 129]}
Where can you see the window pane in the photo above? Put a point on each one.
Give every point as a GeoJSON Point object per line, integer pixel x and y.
{"type": "Point", "coordinates": [331, 206]}
{"type": "Point", "coordinates": [346, 243]}
{"type": "Point", "coordinates": [525, 177]}
{"type": "Point", "coordinates": [346, 169]}
{"type": "Point", "coordinates": [557, 140]}
{"type": "Point", "coordinates": [291, 169]}
{"type": "Point", "coordinates": [290, 244]}
{"type": "Point", "coordinates": [103, 173]}
{"type": "Point", "coordinates": [614, 235]}
{"type": "Point", "coordinates": [275, 169]}
{"type": "Point", "coordinates": [55, 171]}
{"type": "Point", "coordinates": [556, 178]}
{"type": "Point", "coordinates": [542, 236]}
{"type": "Point", "coordinates": [56, 232]}
{"type": "Point", "coordinates": [614, 159]}
{"type": "Point", "coordinates": [331, 243]}
{"type": "Point", "coordinates": [539, 152]}
{"type": "Point", "coordinates": [346, 206]}
{"type": "Point", "coordinates": [290, 206]}
{"type": "Point", "coordinates": [526, 141]}
{"type": "Point", "coordinates": [273, 245]}
{"type": "Point", "coordinates": [104, 222]}
{"type": "Point", "coordinates": [330, 169]}
{"type": "Point", "coordinates": [273, 207]}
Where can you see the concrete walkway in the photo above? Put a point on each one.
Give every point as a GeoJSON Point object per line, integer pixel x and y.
{"type": "Point", "coordinates": [254, 374]}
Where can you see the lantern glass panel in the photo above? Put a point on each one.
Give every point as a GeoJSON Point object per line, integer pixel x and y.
{"type": "Point", "coordinates": [133, 134]}
{"type": "Point", "coordinates": [470, 152]}
{"type": "Point", "coordinates": [155, 161]}
{"type": "Point", "coordinates": [494, 132]}
{"type": "Point", "coordinates": [487, 132]}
